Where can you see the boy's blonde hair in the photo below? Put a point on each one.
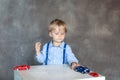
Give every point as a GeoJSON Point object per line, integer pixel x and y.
{"type": "Point", "coordinates": [57, 23]}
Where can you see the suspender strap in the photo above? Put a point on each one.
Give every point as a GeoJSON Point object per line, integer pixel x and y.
{"type": "Point", "coordinates": [64, 51]}
{"type": "Point", "coordinates": [47, 54]}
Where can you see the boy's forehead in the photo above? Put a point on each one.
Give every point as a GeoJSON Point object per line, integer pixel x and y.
{"type": "Point", "coordinates": [59, 28]}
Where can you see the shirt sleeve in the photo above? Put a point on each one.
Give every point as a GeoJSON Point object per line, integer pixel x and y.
{"type": "Point", "coordinates": [41, 57]}
{"type": "Point", "coordinates": [70, 55]}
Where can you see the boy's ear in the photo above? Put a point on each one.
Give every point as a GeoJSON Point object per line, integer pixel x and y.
{"type": "Point", "coordinates": [50, 34]}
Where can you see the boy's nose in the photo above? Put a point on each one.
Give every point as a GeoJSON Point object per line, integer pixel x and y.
{"type": "Point", "coordinates": [59, 35]}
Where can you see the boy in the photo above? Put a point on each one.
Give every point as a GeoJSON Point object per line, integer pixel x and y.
{"type": "Point", "coordinates": [56, 51]}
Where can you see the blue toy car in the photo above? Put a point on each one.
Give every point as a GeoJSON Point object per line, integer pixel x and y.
{"type": "Point", "coordinates": [82, 69]}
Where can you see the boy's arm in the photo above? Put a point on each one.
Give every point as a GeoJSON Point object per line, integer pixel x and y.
{"type": "Point", "coordinates": [40, 56]}
{"type": "Point", "coordinates": [72, 60]}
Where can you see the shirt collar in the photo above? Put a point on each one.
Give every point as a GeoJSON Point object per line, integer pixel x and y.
{"type": "Point", "coordinates": [61, 45]}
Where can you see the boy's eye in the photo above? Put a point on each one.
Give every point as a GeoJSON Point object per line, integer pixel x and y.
{"type": "Point", "coordinates": [62, 33]}
{"type": "Point", "coordinates": [56, 33]}
{"type": "Point", "coordinates": [59, 33]}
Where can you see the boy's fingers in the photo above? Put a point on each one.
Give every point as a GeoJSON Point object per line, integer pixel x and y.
{"type": "Point", "coordinates": [37, 47]}
{"type": "Point", "coordinates": [74, 65]}
{"type": "Point", "coordinates": [37, 44]}
{"type": "Point", "coordinates": [78, 64]}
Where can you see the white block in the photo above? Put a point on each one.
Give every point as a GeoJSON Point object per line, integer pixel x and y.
{"type": "Point", "coordinates": [53, 72]}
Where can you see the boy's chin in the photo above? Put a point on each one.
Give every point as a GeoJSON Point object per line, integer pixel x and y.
{"type": "Point", "coordinates": [59, 41]}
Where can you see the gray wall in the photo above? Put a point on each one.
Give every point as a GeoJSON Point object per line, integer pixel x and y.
{"type": "Point", "coordinates": [93, 32]}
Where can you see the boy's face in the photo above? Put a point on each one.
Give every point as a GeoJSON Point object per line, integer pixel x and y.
{"type": "Point", "coordinates": [57, 34]}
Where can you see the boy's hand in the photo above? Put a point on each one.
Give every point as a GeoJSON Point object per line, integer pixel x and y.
{"type": "Point", "coordinates": [37, 47]}
{"type": "Point", "coordinates": [74, 64]}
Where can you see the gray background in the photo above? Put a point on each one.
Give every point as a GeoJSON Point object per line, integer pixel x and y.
{"type": "Point", "coordinates": [93, 32]}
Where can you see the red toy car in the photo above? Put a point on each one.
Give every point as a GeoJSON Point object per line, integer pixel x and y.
{"type": "Point", "coordinates": [22, 67]}
{"type": "Point", "coordinates": [94, 74]}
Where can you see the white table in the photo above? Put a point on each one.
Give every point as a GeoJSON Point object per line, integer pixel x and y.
{"type": "Point", "coordinates": [53, 72]}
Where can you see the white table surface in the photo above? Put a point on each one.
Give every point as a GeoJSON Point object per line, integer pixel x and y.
{"type": "Point", "coordinates": [53, 72]}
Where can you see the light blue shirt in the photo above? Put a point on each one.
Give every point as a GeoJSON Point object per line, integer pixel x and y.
{"type": "Point", "coordinates": [55, 54]}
